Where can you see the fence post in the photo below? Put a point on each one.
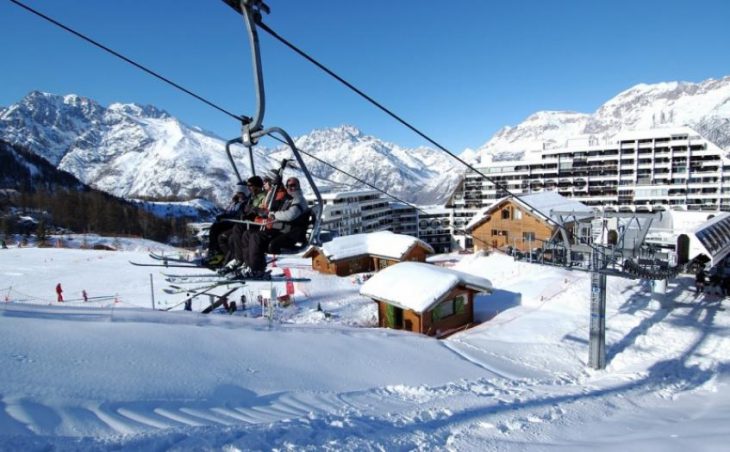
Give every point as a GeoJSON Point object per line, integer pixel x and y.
{"type": "Point", "coordinates": [152, 292]}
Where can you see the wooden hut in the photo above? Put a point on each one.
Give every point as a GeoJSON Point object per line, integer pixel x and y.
{"type": "Point", "coordinates": [424, 298]}
{"type": "Point", "coordinates": [523, 223]}
{"type": "Point", "coordinates": [366, 252]}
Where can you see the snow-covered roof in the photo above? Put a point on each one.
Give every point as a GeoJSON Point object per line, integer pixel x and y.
{"type": "Point", "coordinates": [656, 133]}
{"type": "Point", "coordinates": [419, 286]}
{"type": "Point", "coordinates": [332, 195]}
{"type": "Point", "coordinates": [543, 204]}
{"type": "Point", "coordinates": [381, 243]}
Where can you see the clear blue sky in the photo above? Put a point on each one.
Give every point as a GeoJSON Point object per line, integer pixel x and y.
{"type": "Point", "coordinates": [458, 70]}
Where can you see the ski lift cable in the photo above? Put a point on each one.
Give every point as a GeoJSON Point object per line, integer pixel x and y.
{"type": "Point", "coordinates": [393, 115]}
{"type": "Point", "coordinates": [245, 119]}
{"type": "Point", "coordinates": [240, 118]}
{"type": "Point", "coordinates": [354, 177]}
{"type": "Point", "coordinates": [405, 123]}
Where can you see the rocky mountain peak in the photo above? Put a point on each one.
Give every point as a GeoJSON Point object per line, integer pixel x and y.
{"type": "Point", "coordinates": [703, 106]}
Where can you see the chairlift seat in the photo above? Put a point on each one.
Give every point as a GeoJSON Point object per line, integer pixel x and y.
{"type": "Point", "coordinates": [296, 239]}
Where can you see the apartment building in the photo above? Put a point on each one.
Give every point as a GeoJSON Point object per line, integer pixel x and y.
{"type": "Point", "coordinates": [354, 212]}
{"type": "Point", "coordinates": [640, 171]}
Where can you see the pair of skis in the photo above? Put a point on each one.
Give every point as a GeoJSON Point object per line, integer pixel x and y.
{"type": "Point", "coordinates": [170, 262]}
{"type": "Point", "coordinates": [178, 262]}
{"type": "Point", "coordinates": [205, 290]}
{"type": "Point", "coordinates": [212, 278]}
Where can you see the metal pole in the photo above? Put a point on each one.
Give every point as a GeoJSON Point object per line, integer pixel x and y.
{"type": "Point", "coordinates": [152, 292]}
{"type": "Point", "coordinates": [597, 345]}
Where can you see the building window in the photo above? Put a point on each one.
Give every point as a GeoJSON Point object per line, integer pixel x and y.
{"type": "Point", "coordinates": [505, 214]}
{"type": "Point", "coordinates": [528, 236]}
{"type": "Point", "coordinates": [450, 307]}
{"type": "Point", "coordinates": [518, 214]}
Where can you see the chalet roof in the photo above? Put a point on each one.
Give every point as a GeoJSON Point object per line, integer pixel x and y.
{"type": "Point", "coordinates": [419, 286]}
{"type": "Point", "coordinates": [542, 205]}
{"type": "Point", "coordinates": [382, 243]}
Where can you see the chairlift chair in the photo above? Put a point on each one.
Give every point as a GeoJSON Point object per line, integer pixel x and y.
{"type": "Point", "coordinates": [252, 131]}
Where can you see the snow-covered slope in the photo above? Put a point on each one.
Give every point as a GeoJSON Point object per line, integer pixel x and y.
{"type": "Point", "coordinates": [703, 106]}
{"type": "Point", "coordinates": [113, 373]}
{"type": "Point", "coordinates": [138, 151]}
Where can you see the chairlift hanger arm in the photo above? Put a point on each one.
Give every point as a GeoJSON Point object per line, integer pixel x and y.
{"type": "Point", "coordinates": [251, 11]}
{"type": "Point", "coordinates": [258, 4]}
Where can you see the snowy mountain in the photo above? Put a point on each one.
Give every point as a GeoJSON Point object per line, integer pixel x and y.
{"type": "Point", "coordinates": [703, 106]}
{"type": "Point", "coordinates": [421, 175]}
{"type": "Point", "coordinates": [138, 151]}
{"type": "Point", "coordinates": [128, 150]}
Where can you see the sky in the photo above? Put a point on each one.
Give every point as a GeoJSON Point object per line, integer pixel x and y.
{"type": "Point", "coordinates": [112, 373]}
{"type": "Point", "coordinates": [458, 71]}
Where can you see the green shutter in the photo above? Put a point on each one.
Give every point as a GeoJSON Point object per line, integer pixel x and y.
{"type": "Point", "coordinates": [389, 315]}
{"type": "Point", "coordinates": [459, 304]}
{"type": "Point", "coordinates": [435, 313]}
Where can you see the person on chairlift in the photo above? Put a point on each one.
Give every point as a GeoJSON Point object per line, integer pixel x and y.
{"type": "Point", "coordinates": [280, 229]}
{"type": "Point", "coordinates": [244, 202]}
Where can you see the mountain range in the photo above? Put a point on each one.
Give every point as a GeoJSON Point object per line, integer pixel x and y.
{"type": "Point", "coordinates": [703, 106]}
{"type": "Point", "coordinates": [135, 151]}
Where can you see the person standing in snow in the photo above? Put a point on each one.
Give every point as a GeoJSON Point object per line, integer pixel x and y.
{"type": "Point", "coordinates": [59, 292]}
{"type": "Point", "coordinates": [700, 280]}
{"type": "Point", "coordinates": [84, 295]}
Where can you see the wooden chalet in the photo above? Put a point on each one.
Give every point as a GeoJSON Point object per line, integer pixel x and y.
{"type": "Point", "coordinates": [523, 223]}
{"type": "Point", "coordinates": [424, 298]}
{"type": "Point", "coordinates": [366, 252]}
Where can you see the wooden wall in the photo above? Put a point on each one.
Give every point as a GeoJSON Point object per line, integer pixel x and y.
{"type": "Point", "coordinates": [360, 264]}
{"type": "Point", "coordinates": [321, 264]}
{"type": "Point", "coordinates": [409, 319]}
{"type": "Point", "coordinates": [425, 323]}
{"type": "Point", "coordinates": [433, 327]}
{"type": "Point", "coordinates": [510, 229]}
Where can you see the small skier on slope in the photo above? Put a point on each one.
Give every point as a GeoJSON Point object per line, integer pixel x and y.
{"type": "Point", "coordinates": [59, 292]}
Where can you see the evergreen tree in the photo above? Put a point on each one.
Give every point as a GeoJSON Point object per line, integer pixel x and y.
{"type": "Point", "coordinates": [41, 233]}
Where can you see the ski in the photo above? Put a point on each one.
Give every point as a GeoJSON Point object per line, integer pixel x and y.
{"type": "Point", "coordinates": [175, 290]}
{"type": "Point", "coordinates": [166, 265]}
{"type": "Point", "coordinates": [209, 279]}
{"type": "Point", "coordinates": [162, 257]}
{"type": "Point", "coordinates": [221, 300]}
{"type": "Point", "coordinates": [273, 278]}
{"type": "Point", "coordinates": [191, 275]}
{"type": "Point", "coordinates": [194, 295]}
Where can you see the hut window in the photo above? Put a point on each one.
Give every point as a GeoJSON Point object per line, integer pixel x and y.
{"type": "Point", "coordinates": [450, 307]}
{"type": "Point", "coordinates": [518, 214]}
{"type": "Point", "coordinates": [442, 310]}
{"type": "Point", "coordinates": [505, 214]}
{"type": "Point", "coordinates": [459, 302]}
{"type": "Point", "coordinates": [528, 236]}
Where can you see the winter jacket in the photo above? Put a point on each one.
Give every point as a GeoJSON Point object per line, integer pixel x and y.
{"type": "Point", "coordinates": [293, 207]}
{"type": "Point", "coordinates": [253, 205]}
